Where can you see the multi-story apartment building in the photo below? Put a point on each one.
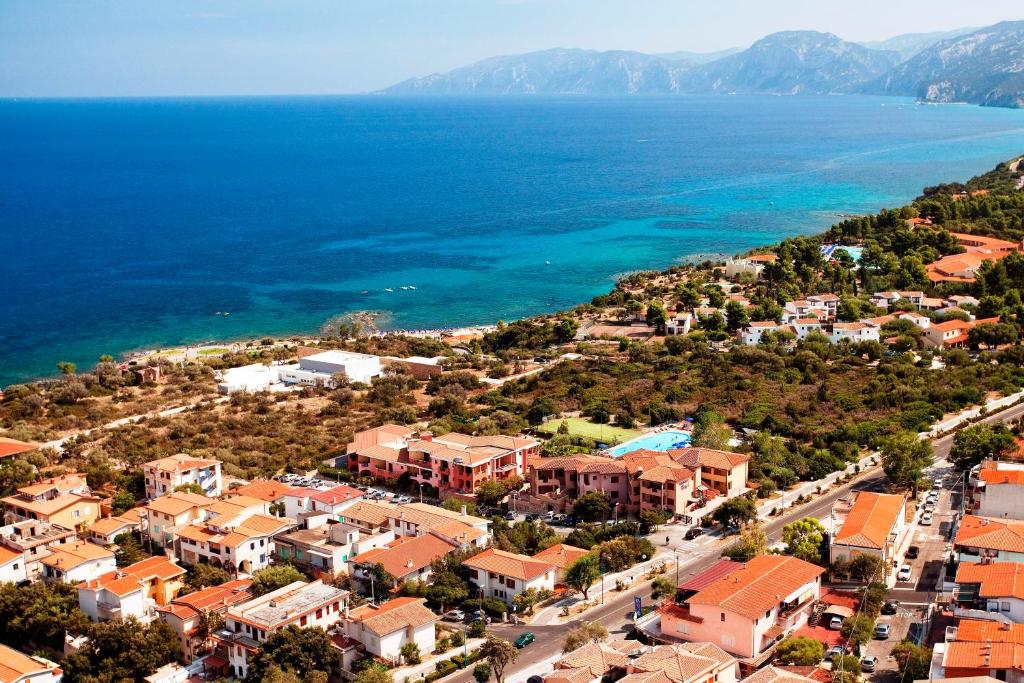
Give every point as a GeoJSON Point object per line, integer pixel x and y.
{"type": "Point", "coordinates": [184, 613]}
{"type": "Point", "coordinates": [32, 540]}
{"type": "Point", "coordinates": [132, 591]}
{"type": "Point", "coordinates": [249, 624]}
{"type": "Point", "coordinates": [18, 667]}
{"type": "Point", "coordinates": [62, 501]}
{"type": "Point", "coordinates": [453, 462]}
{"type": "Point", "coordinates": [982, 539]}
{"type": "Point", "coordinates": [166, 474]}
{"type": "Point", "coordinates": [163, 516]}
{"type": "Point", "coordinates": [504, 575]}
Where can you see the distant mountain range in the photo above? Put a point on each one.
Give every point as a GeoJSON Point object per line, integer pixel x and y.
{"type": "Point", "coordinates": [980, 66]}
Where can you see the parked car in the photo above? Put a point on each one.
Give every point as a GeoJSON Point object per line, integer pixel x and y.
{"type": "Point", "coordinates": [403, 499]}
{"type": "Point", "coordinates": [559, 519]}
{"type": "Point", "coordinates": [531, 517]}
{"type": "Point", "coordinates": [454, 615]}
{"type": "Point", "coordinates": [926, 519]}
{"type": "Point", "coordinates": [541, 360]}
{"type": "Point", "coordinates": [524, 639]}
{"type": "Point", "coordinates": [882, 631]}
{"type": "Point", "coordinates": [693, 533]}
{"type": "Point", "coordinates": [890, 607]}
{"type": "Point", "coordinates": [912, 552]}
{"type": "Point", "coordinates": [904, 573]}
{"type": "Point", "coordinates": [867, 664]}
{"type": "Point", "coordinates": [510, 516]}
{"type": "Point", "coordinates": [937, 485]}
{"type": "Point", "coordinates": [549, 515]}
{"type": "Point", "coordinates": [836, 623]}
{"type": "Point", "coordinates": [835, 651]}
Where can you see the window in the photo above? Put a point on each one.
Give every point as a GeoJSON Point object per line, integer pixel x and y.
{"type": "Point", "coordinates": [1004, 606]}
{"type": "Point", "coordinates": [723, 616]}
{"type": "Point", "coordinates": [614, 480]}
{"type": "Point", "coordinates": [682, 627]}
{"type": "Point", "coordinates": [320, 613]}
{"type": "Point", "coordinates": [302, 621]}
{"type": "Point", "coordinates": [768, 614]}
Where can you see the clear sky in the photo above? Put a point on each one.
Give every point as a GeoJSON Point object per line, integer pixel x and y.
{"type": "Point", "coordinates": [224, 47]}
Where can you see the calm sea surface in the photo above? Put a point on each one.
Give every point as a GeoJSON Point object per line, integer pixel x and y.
{"type": "Point", "coordinates": [129, 224]}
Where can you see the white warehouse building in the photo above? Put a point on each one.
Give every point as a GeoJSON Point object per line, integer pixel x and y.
{"type": "Point", "coordinates": [320, 368]}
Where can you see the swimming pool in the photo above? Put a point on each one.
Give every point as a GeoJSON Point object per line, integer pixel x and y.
{"type": "Point", "coordinates": [655, 441]}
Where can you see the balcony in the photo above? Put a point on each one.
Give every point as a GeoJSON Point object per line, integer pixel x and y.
{"type": "Point", "coordinates": [108, 610]}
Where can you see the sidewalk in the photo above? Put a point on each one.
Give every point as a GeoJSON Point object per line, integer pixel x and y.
{"type": "Point", "coordinates": [429, 661]}
{"type": "Point", "coordinates": [810, 488]}
{"type": "Point", "coordinates": [974, 413]}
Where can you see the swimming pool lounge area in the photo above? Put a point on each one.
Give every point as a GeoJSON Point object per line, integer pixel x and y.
{"type": "Point", "coordinates": [655, 441]}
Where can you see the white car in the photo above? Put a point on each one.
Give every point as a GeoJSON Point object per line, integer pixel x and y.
{"type": "Point", "coordinates": [904, 573]}
{"type": "Point", "coordinates": [926, 519]}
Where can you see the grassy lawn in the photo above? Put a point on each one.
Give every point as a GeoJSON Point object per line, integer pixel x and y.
{"type": "Point", "coordinates": [212, 352]}
{"type": "Point", "coordinates": [581, 427]}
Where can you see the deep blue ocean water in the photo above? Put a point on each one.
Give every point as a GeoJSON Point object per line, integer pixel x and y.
{"type": "Point", "coordinates": [128, 224]}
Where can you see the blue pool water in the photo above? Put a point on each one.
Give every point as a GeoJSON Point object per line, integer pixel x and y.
{"type": "Point", "coordinates": [658, 441]}
{"type": "Point", "coordinates": [131, 223]}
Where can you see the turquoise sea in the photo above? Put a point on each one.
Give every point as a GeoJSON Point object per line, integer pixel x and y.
{"type": "Point", "coordinates": [129, 224]}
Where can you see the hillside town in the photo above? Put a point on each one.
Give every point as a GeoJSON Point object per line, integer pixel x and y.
{"type": "Point", "coordinates": [802, 464]}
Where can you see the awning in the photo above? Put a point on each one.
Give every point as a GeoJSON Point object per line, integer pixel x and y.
{"type": "Point", "coordinates": [774, 632]}
{"type": "Point", "coordinates": [839, 611]}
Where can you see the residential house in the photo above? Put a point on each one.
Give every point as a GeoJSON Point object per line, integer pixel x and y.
{"type": "Point", "coordinates": [63, 501]}
{"type": "Point", "coordinates": [960, 300]}
{"type": "Point", "coordinates": [164, 515]}
{"type": "Point", "coordinates": [266, 490]}
{"type": "Point", "coordinates": [11, 447]}
{"type": "Point", "coordinates": [407, 558]}
{"type": "Point", "coordinates": [244, 546]}
{"type": "Point", "coordinates": [976, 648]}
{"type": "Point", "coordinates": [828, 301]}
{"type": "Point", "coordinates": [633, 662]}
{"type": "Point", "coordinates": [995, 587]}
{"type": "Point", "coordinates": [323, 369]}
{"type": "Point", "coordinates": [960, 268]}
{"type": "Point", "coordinates": [562, 556]}
{"type": "Point", "coordinates": [723, 471]}
{"type": "Point", "coordinates": [504, 575]}
{"type": "Point", "coordinates": [104, 531]}
{"type": "Point", "coordinates": [751, 265]}
{"type": "Point", "coordinates": [952, 333]}
{"type": "Point", "coordinates": [572, 476]}
{"type": "Point", "coordinates": [249, 624]}
{"type": "Point", "coordinates": [999, 492]}
{"type": "Point", "coordinates": [874, 524]}
{"type": "Point", "coordinates": [749, 608]}
{"type": "Point", "coordinates": [804, 327]}
{"type": "Point", "coordinates": [853, 332]}
{"type": "Point", "coordinates": [333, 501]}
{"type": "Point", "coordinates": [382, 630]}
{"type": "Point", "coordinates": [167, 474]}
{"type": "Point", "coordinates": [780, 674]}
{"type": "Point", "coordinates": [327, 548]}
{"type": "Point", "coordinates": [453, 462]}
{"type": "Point", "coordinates": [751, 335]}
{"type": "Point", "coordinates": [986, 245]}
{"type": "Point", "coordinates": [415, 519]}
{"type": "Point", "coordinates": [12, 566]}
{"type": "Point", "coordinates": [132, 591]}
{"type": "Point", "coordinates": [981, 539]}
{"type": "Point", "coordinates": [18, 667]}
{"type": "Point", "coordinates": [77, 561]}
{"type": "Point", "coordinates": [680, 323]}
{"type": "Point", "coordinates": [32, 540]}
{"type": "Point", "coordinates": [184, 613]}
{"type": "Point", "coordinates": [884, 299]}
{"type": "Point", "coordinates": [368, 517]}
{"type": "Point", "coordinates": [919, 319]}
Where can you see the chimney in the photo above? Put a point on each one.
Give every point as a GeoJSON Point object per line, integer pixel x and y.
{"type": "Point", "coordinates": [1004, 626]}
{"type": "Point", "coordinates": [408, 563]}
{"type": "Point", "coordinates": [426, 436]}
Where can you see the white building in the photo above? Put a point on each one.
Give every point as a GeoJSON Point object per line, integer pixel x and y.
{"type": "Point", "coordinates": [1000, 490]}
{"type": "Point", "coordinates": [854, 332]}
{"type": "Point", "coordinates": [77, 562]}
{"type": "Point", "coordinates": [382, 630]}
{"type": "Point", "coordinates": [320, 369]}
{"type": "Point", "coordinates": [166, 474]}
{"type": "Point", "coordinates": [981, 538]}
{"type": "Point", "coordinates": [12, 566]}
{"type": "Point", "coordinates": [248, 378]}
{"type": "Point", "coordinates": [874, 524]}
{"type": "Point", "coordinates": [504, 575]}
{"type": "Point", "coordinates": [751, 336]}
{"type": "Point", "coordinates": [133, 591]}
{"type": "Point", "coordinates": [918, 319]}
{"type": "Point", "coordinates": [993, 587]}
{"type": "Point", "coordinates": [680, 323]}
{"type": "Point", "coordinates": [248, 625]}
{"type": "Point", "coordinates": [805, 326]}
{"type": "Point", "coordinates": [18, 667]}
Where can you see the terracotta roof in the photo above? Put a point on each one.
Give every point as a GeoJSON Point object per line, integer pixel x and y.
{"type": "Point", "coordinates": [407, 554]}
{"type": "Point", "coordinates": [458, 532]}
{"type": "Point", "coordinates": [761, 584]}
{"type": "Point", "coordinates": [508, 564]}
{"type": "Point", "coordinates": [655, 466]}
{"type": "Point", "coordinates": [379, 435]}
{"type": "Point", "coordinates": [763, 258]}
{"type": "Point", "coordinates": [133, 515]}
{"type": "Point", "coordinates": [771, 674]}
{"type": "Point", "coordinates": [371, 514]}
{"type": "Point", "coordinates": [983, 630]}
{"type": "Point", "coordinates": [430, 516]}
{"type": "Point", "coordinates": [8, 555]}
{"type": "Point", "coordinates": [581, 675]}
{"type": "Point", "coordinates": [182, 462]}
{"type": "Point", "coordinates": [266, 490]}
{"type": "Point", "coordinates": [15, 665]}
{"type": "Point", "coordinates": [561, 555]}
{"type": "Point", "coordinates": [870, 520]}
{"type": "Point", "coordinates": [48, 507]}
{"type": "Point", "coordinates": [66, 556]}
{"type": "Point", "coordinates": [709, 457]}
{"type": "Point", "coordinates": [110, 525]}
{"type": "Point", "coordinates": [339, 494]}
{"type": "Point", "coordinates": [990, 534]}
{"type": "Point", "coordinates": [677, 662]}
{"type": "Point", "coordinates": [981, 242]}
{"type": "Point", "coordinates": [262, 525]}
{"type": "Point", "coordinates": [209, 598]}
{"type": "Point", "coordinates": [722, 568]}
{"type": "Point", "coordinates": [849, 327]}
{"type": "Point", "coordinates": [129, 579]}
{"type": "Point", "coordinates": [393, 615]}
{"type": "Point", "coordinates": [597, 657]}
{"type": "Point", "coordinates": [10, 447]}
{"type": "Point", "coordinates": [177, 502]}
{"type": "Point", "coordinates": [991, 474]}
{"type": "Point", "coordinates": [997, 580]}
{"type": "Point", "coordinates": [976, 655]}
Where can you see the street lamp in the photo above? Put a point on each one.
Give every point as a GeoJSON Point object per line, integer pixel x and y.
{"type": "Point", "coordinates": [677, 568]}
{"type": "Point", "coordinates": [421, 493]}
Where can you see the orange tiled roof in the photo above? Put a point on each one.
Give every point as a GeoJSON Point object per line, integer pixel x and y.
{"type": "Point", "coordinates": [8, 555]}
{"type": "Point", "coordinates": [984, 630]}
{"type": "Point", "coordinates": [678, 662]}
{"type": "Point", "coordinates": [599, 658]}
{"type": "Point", "coordinates": [394, 615]}
{"type": "Point", "coordinates": [990, 534]}
{"type": "Point", "coordinates": [129, 579]}
{"type": "Point", "coordinates": [182, 462]}
{"type": "Point", "coordinates": [561, 555]}
{"type": "Point", "coordinates": [709, 457]}
{"type": "Point", "coordinates": [508, 564]}
{"type": "Point", "coordinates": [757, 586]}
{"type": "Point", "coordinates": [991, 474]}
{"type": "Point", "coordinates": [871, 520]}
{"type": "Point", "coordinates": [109, 525]}
{"type": "Point", "coordinates": [65, 556]}
{"type": "Point", "coordinates": [178, 502]}
{"type": "Point", "coordinates": [378, 436]}
{"type": "Point", "coordinates": [209, 598]}
{"type": "Point", "coordinates": [975, 655]}
{"type": "Point", "coordinates": [408, 554]}
{"type": "Point", "coordinates": [998, 579]}
{"type": "Point", "coordinates": [261, 525]}
{"type": "Point", "coordinates": [265, 490]}
{"type": "Point", "coordinates": [339, 494]}
{"type": "Point", "coordinates": [10, 447]}
{"type": "Point", "coordinates": [771, 674]}
{"type": "Point", "coordinates": [16, 665]}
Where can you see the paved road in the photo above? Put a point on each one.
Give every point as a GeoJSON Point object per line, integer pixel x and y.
{"type": "Point", "coordinates": [616, 614]}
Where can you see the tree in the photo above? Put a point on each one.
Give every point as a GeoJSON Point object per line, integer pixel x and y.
{"type": "Point", "coordinates": [904, 457]}
{"type": "Point", "coordinates": [735, 512]}
{"type": "Point", "coordinates": [490, 492]}
{"type": "Point", "coordinates": [650, 520]}
{"type": "Point", "coordinates": [66, 367]}
{"type": "Point", "coordinates": [446, 588]}
{"type": "Point", "coordinates": [499, 653]}
{"type": "Point", "coordinates": [736, 317]}
{"type": "Point", "coordinates": [582, 574]}
{"type": "Point", "coordinates": [992, 334]}
{"type": "Point", "coordinates": [482, 673]}
{"type": "Point", "coordinates": [858, 630]}
{"type": "Point", "coordinates": [270, 579]}
{"type": "Point", "coordinates": [129, 549]}
{"type": "Point", "coordinates": [564, 330]}
{"type": "Point", "coordinates": [373, 675]}
{"type": "Point", "coordinates": [38, 615]}
{"type": "Point", "coordinates": [201, 575]}
{"type": "Point", "coordinates": [803, 539]}
{"type": "Point", "coordinates": [710, 431]}
{"type": "Point", "coordinates": [410, 653]}
{"type": "Point", "coordinates": [753, 541]}
{"type": "Point", "coordinates": [593, 506]}
{"type": "Point", "coordinates": [914, 660]}
{"type": "Point", "coordinates": [656, 316]}
{"type": "Point", "coordinates": [848, 666]}
{"type": "Point", "coordinates": [293, 649]}
{"type": "Point", "coordinates": [525, 600]}
{"type": "Point", "coordinates": [800, 651]}
{"type": "Point", "coordinates": [122, 650]}
{"type": "Point", "coordinates": [587, 632]}
{"type": "Point", "coordinates": [191, 487]}
{"type": "Point", "coordinates": [973, 444]}
{"type": "Point", "coordinates": [455, 505]}
{"type": "Point", "coordinates": [121, 502]}
{"type": "Point", "coordinates": [866, 568]}
{"type": "Point", "coordinates": [662, 587]}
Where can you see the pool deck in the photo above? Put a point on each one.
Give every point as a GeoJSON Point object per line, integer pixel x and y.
{"type": "Point", "coordinates": [638, 442]}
